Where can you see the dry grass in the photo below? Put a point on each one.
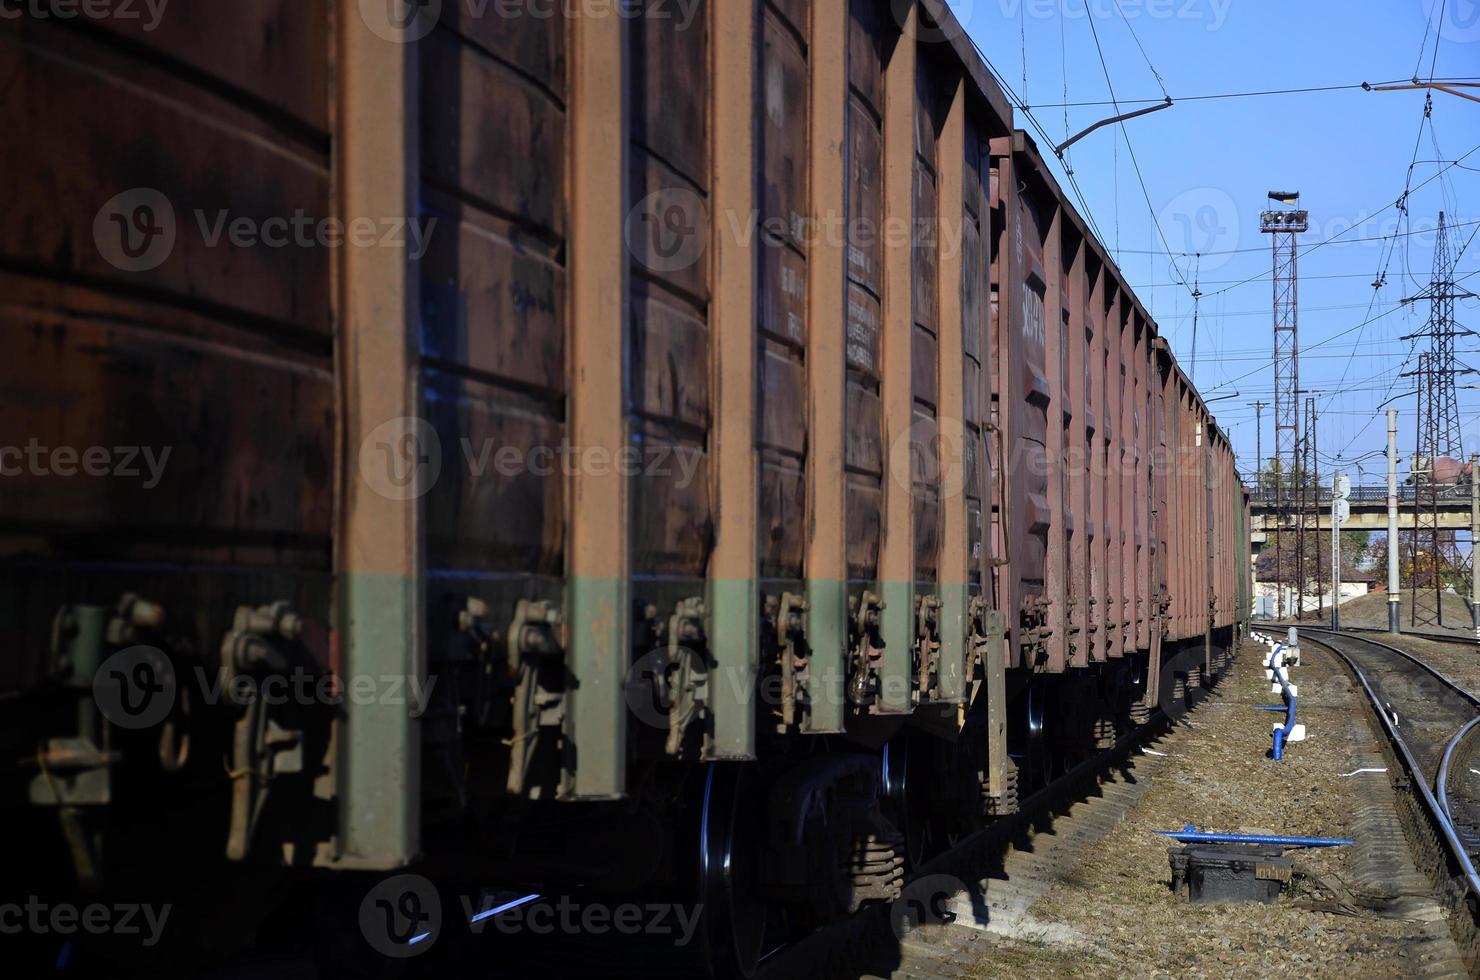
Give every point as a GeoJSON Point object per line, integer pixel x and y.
{"type": "Point", "coordinates": [1118, 901]}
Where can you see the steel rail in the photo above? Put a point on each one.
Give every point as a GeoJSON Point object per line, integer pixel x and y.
{"type": "Point", "coordinates": [1441, 782]}
{"type": "Point", "coordinates": [1467, 640]}
{"type": "Point", "coordinates": [1438, 813]}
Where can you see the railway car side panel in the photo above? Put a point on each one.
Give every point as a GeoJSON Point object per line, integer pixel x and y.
{"type": "Point", "coordinates": [1114, 468]}
{"type": "Point", "coordinates": [1145, 543]}
{"type": "Point", "coordinates": [1026, 387]}
{"type": "Point", "coordinates": [1077, 473]}
{"type": "Point", "coordinates": [782, 288]}
{"type": "Point", "coordinates": [1059, 412]}
{"type": "Point", "coordinates": [1096, 419]}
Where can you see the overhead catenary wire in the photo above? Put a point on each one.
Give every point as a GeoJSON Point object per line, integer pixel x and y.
{"type": "Point", "coordinates": [1321, 244]}
{"type": "Point", "coordinates": [1216, 96]}
{"type": "Point", "coordinates": [1328, 340]}
{"type": "Point", "coordinates": [1131, 150]}
{"type": "Point", "coordinates": [1390, 247]}
{"type": "Point", "coordinates": [1346, 241]}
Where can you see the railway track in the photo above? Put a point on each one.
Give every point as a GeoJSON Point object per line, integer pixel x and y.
{"type": "Point", "coordinates": [1433, 728]}
{"type": "Point", "coordinates": [1436, 637]}
{"type": "Point", "coordinates": [1419, 634]}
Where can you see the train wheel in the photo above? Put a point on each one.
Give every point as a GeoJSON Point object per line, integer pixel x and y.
{"type": "Point", "coordinates": [733, 920]}
{"type": "Point", "coordinates": [912, 770]}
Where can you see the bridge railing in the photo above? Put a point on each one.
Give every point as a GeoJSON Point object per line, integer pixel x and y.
{"type": "Point", "coordinates": [1375, 493]}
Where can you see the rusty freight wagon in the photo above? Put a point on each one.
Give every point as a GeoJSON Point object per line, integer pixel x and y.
{"type": "Point", "coordinates": [632, 444]}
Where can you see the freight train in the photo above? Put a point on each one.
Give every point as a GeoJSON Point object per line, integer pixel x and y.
{"type": "Point", "coordinates": [649, 448]}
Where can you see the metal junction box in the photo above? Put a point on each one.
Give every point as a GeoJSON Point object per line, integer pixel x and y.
{"type": "Point", "coordinates": [1229, 872]}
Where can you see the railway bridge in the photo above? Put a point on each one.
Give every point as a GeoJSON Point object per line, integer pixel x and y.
{"type": "Point", "coordinates": [1368, 509]}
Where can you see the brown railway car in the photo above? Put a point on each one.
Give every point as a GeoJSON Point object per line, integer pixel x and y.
{"type": "Point", "coordinates": [673, 414]}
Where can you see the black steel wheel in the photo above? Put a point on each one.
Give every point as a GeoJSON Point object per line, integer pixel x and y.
{"type": "Point", "coordinates": [734, 918]}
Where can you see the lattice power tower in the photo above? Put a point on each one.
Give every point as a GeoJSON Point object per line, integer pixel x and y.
{"type": "Point", "coordinates": [1431, 549]}
{"type": "Point", "coordinates": [1284, 225]}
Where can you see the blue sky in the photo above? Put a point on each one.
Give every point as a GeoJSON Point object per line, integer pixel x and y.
{"type": "Point", "coordinates": [1209, 164]}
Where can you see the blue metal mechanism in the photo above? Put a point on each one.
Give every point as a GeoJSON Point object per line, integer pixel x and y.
{"type": "Point", "coordinates": [1191, 835]}
{"type": "Point", "coordinates": [1280, 734]}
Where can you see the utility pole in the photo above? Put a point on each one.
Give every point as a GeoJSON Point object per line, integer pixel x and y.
{"type": "Point", "coordinates": [1259, 407]}
{"type": "Point", "coordinates": [1474, 539]}
{"type": "Point", "coordinates": [1313, 465]}
{"type": "Point", "coordinates": [1341, 489]}
{"type": "Point", "coordinates": [1395, 592]}
{"type": "Point", "coordinates": [1283, 226]}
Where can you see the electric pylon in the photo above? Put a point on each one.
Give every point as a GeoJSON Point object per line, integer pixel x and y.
{"type": "Point", "coordinates": [1283, 226]}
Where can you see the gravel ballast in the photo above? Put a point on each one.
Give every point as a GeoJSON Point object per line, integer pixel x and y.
{"type": "Point", "coordinates": [1114, 914]}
